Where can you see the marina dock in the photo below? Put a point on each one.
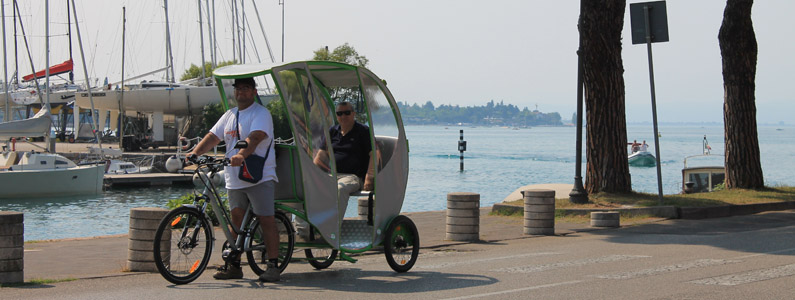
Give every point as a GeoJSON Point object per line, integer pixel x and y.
{"type": "Point", "coordinates": [150, 179]}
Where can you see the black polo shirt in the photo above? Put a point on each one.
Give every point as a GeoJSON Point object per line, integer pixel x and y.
{"type": "Point", "coordinates": [351, 151]}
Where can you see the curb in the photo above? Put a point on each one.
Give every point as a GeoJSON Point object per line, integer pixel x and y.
{"type": "Point", "coordinates": [669, 212]}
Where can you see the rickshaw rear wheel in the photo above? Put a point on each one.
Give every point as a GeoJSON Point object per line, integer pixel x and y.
{"type": "Point", "coordinates": [401, 244]}
{"type": "Point", "coordinates": [258, 257]}
{"type": "Point", "coordinates": [319, 258]}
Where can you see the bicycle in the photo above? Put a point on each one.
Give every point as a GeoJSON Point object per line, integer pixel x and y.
{"type": "Point", "coordinates": [186, 233]}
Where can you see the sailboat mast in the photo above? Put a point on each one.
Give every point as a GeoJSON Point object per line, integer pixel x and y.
{"type": "Point", "coordinates": [16, 58]}
{"type": "Point", "coordinates": [201, 39]}
{"type": "Point", "coordinates": [94, 124]}
{"type": "Point", "coordinates": [7, 111]}
{"type": "Point", "coordinates": [242, 19]}
{"type": "Point", "coordinates": [215, 39]}
{"type": "Point", "coordinates": [121, 99]}
{"type": "Point", "coordinates": [210, 34]}
{"type": "Point", "coordinates": [69, 35]}
{"type": "Point", "coordinates": [234, 31]}
{"type": "Point", "coordinates": [169, 58]}
{"type": "Point", "coordinates": [50, 144]}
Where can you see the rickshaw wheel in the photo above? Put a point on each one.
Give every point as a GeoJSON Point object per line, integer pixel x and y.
{"type": "Point", "coordinates": [319, 258]}
{"type": "Point", "coordinates": [258, 258]}
{"type": "Point", "coordinates": [401, 244]}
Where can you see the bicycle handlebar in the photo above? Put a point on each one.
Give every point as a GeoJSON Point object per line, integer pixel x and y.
{"type": "Point", "coordinates": [207, 160]}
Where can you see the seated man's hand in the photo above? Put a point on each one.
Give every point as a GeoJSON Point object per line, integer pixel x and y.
{"type": "Point", "coordinates": [368, 185]}
{"type": "Point", "coordinates": [236, 160]}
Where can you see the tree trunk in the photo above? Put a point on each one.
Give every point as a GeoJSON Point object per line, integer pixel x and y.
{"type": "Point", "coordinates": [607, 169]}
{"type": "Point", "coordinates": [739, 51]}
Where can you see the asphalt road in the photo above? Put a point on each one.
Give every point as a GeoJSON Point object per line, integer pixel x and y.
{"type": "Point", "coordinates": [744, 257]}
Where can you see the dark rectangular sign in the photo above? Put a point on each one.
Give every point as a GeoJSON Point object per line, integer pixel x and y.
{"type": "Point", "coordinates": [658, 22]}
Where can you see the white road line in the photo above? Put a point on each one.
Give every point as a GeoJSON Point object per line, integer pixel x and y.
{"type": "Point", "coordinates": [471, 261]}
{"type": "Point", "coordinates": [575, 263]}
{"type": "Point", "coordinates": [667, 269]}
{"type": "Point", "coordinates": [748, 277]}
{"type": "Point", "coordinates": [529, 288]}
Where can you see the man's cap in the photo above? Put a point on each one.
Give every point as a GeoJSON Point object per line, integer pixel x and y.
{"type": "Point", "coordinates": [245, 81]}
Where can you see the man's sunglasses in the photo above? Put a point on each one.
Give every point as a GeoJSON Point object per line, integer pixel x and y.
{"type": "Point", "coordinates": [344, 112]}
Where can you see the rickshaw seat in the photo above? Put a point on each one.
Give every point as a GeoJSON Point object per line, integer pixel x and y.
{"type": "Point", "coordinates": [288, 170]}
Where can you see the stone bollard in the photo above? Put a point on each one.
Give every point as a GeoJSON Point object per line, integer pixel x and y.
{"type": "Point", "coordinates": [12, 247]}
{"type": "Point", "coordinates": [539, 212]}
{"type": "Point", "coordinates": [463, 217]}
{"type": "Point", "coordinates": [605, 219]}
{"type": "Point", "coordinates": [143, 224]}
{"type": "Point", "coordinates": [362, 208]}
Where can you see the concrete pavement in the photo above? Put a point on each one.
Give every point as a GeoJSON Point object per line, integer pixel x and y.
{"type": "Point", "coordinates": [107, 255]}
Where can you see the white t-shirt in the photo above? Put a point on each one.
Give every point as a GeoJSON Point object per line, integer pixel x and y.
{"type": "Point", "coordinates": [644, 147]}
{"type": "Point", "coordinates": [253, 118]}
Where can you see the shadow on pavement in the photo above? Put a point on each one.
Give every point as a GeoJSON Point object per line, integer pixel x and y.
{"type": "Point", "coordinates": [357, 280]}
{"type": "Point", "coordinates": [760, 233]}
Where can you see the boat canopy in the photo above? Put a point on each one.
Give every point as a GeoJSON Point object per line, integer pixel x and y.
{"type": "Point", "coordinates": [38, 125]}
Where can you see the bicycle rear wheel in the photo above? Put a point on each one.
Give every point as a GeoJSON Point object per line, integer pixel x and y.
{"type": "Point", "coordinates": [185, 245]}
{"type": "Point", "coordinates": [258, 255]}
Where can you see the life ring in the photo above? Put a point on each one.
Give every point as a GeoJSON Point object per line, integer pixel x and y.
{"type": "Point", "coordinates": [184, 143]}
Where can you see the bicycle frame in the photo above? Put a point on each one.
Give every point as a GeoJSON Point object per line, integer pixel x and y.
{"type": "Point", "coordinates": [210, 193]}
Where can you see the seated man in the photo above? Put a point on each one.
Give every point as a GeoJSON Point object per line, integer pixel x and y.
{"type": "Point", "coordinates": [352, 153]}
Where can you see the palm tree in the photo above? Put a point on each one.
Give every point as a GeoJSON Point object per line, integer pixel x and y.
{"type": "Point", "coordinates": [607, 169]}
{"type": "Point", "coordinates": [739, 51]}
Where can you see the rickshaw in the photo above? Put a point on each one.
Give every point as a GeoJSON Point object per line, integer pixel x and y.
{"type": "Point", "coordinates": [306, 95]}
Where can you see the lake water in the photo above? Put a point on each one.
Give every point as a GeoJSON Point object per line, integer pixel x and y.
{"type": "Point", "coordinates": [497, 161]}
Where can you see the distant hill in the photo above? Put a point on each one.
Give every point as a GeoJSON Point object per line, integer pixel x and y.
{"type": "Point", "coordinates": [490, 114]}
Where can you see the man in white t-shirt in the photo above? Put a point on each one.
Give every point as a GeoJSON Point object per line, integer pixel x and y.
{"type": "Point", "coordinates": [253, 123]}
{"type": "Point", "coordinates": [644, 147]}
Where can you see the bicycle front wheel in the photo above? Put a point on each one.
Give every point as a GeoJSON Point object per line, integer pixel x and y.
{"type": "Point", "coordinates": [258, 255]}
{"type": "Point", "coordinates": [185, 245]}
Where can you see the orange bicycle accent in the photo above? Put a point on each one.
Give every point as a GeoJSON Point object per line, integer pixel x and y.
{"type": "Point", "coordinates": [176, 221]}
{"type": "Point", "coordinates": [195, 265]}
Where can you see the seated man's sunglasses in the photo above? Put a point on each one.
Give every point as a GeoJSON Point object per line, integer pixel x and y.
{"type": "Point", "coordinates": [344, 112]}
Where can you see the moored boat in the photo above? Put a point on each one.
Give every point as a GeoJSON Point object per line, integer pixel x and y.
{"type": "Point", "coordinates": [642, 159]}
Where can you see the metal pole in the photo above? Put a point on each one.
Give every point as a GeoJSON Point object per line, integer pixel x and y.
{"type": "Point", "coordinates": [653, 104]}
{"type": "Point", "coordinates": [234, 31]}
{"type": "Point", "coordinates": [578, 193]}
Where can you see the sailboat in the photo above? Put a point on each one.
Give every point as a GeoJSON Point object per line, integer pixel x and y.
{"type": "Point", "coordinates": [40, 174]}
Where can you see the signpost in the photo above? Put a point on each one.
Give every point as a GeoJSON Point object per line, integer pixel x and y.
{"type": "Point", "coordinates": [649, 23]}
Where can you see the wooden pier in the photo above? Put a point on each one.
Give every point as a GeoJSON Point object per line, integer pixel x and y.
{"type": "Point", "coordinates": [121, 180]}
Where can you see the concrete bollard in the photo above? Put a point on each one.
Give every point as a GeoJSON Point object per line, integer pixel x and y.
{"type": "Point", "coordinates": [605, 219]}
{"type": "Point", "coordinates": [143, 224]}
{"type": "Point", "coordinates": [12, 247]}
{"type": "Point", "coordinates": [362, 208]}
{"type": "Point", "coordinates": [539, 212]}
{"type": "Point", "coordinates": [463, 217]}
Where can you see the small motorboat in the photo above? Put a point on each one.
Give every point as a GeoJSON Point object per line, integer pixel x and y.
{"type": "Point", "coordinates": [642, 159]}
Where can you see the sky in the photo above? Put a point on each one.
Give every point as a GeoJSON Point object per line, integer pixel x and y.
{"type": "Point", "coordinates": [448, 52]}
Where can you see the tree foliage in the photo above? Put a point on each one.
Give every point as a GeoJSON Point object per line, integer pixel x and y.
{"type": "Point", "coordinates": [344, 53]}
{"type": "Point", "coordinates": [490, 114]}
{"type": "Point", "coordinates": [195, 71]}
